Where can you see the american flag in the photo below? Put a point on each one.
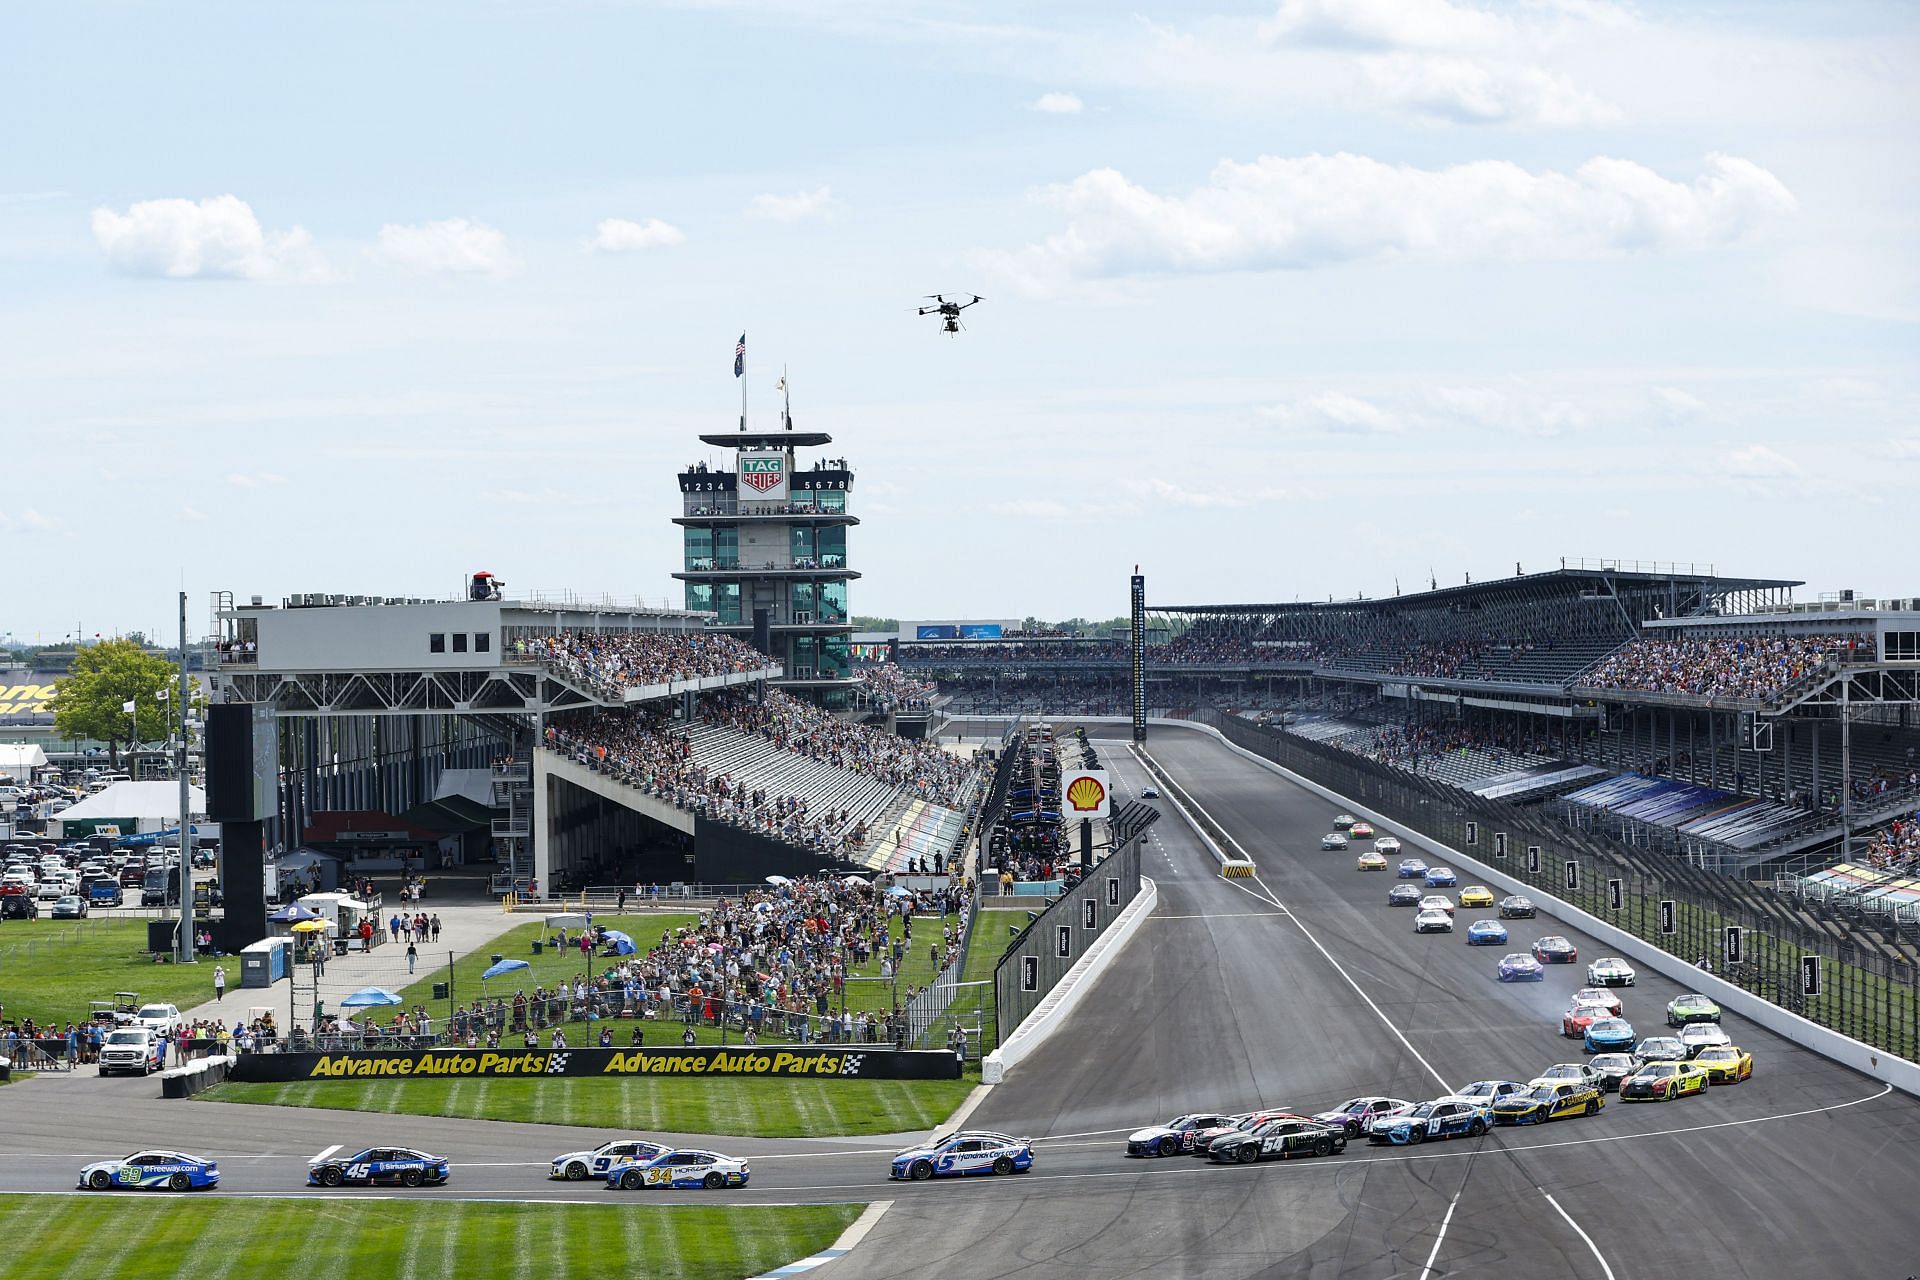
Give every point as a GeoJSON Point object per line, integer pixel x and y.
{"type": "Point", "coordinates": [740, 356]}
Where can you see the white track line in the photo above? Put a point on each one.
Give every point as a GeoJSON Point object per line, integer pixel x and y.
{"type": "Point", "coordinates": [324, 1154]}
{"type": "Point", "coordinates": [1427, 1270]}
{"type": "Point", "coordinates": [1580, 1231]}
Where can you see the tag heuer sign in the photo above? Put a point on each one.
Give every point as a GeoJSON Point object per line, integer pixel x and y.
{"type": "Point", "coordinates": [764, 473]}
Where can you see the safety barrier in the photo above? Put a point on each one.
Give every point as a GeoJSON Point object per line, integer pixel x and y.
{"type": "Point", "coordinates": [1238, 869]}
{"type": "Point", "coordinates": [191, 1077]}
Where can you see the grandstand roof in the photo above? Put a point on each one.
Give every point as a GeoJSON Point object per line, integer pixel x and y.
{"type": "Point", "coordinates": [767, 439]}
{"type": "Point", "coordinates": [1553, 581]}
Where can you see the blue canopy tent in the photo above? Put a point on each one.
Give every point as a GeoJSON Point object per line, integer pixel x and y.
{"type": "Point", "coordinates": [293, 913]}
{"type": "Point", "coordinates": [622, 945]}
{"type": "Point", "coordinates": [367, 997]}
{"type": "Point", "coordinates": [499, 967]}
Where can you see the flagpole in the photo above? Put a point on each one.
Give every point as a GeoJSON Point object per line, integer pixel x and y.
{"type": "Point", "coordinates": [743, 382]}
{"type": "Point", "coordinates": [786, 400]}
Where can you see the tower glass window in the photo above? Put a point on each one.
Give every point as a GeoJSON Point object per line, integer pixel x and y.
{"type": "Point", "coordinates": [699, 549]}
{"type": "Point", "coordinates": [832, 547]}
{"type": "Point", "coordinates": [833, 602]}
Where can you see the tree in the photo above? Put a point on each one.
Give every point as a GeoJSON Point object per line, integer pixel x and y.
{"type": "Point", "coordinates": [90, 702]}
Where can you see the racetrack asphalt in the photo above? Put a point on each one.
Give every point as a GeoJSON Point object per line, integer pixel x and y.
{"type": "Point", "coordinates": [1235, 994]}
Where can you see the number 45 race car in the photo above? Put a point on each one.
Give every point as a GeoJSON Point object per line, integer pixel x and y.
{"type": "Point", "coordinates": [151, 1169]}
{"type": "Point", "coordinates": [377, 1165]}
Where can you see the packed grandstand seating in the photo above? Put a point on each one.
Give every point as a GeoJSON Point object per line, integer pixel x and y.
{"type": "Point", "coordinates": [1753, 667]}
{"type": "Point", "coordinates": [888, 688]}
{"type": "Point", "coordinates": [610, 662]}
{"type": "Point", "coordinates": [1897, 846]}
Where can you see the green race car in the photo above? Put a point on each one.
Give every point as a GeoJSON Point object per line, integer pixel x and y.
{"type": "Point", "coordinates": [1691, 1007]}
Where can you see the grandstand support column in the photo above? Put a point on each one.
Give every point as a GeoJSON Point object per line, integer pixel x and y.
{"type": "Point", "coordinates": [1846, 770]}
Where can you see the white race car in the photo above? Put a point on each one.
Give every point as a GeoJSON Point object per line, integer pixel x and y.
{"type": "Point", "coordinates": [1609, 971]}
{"type": "Point", "coordinates": [576, 1166]}
{"type": "Point", "coordinates": [679, 1170]}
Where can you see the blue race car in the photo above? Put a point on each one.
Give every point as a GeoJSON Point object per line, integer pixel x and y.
{"type": "Point", "coordinates": [679, 1171]}
{"type": "Point", "coordinates": [151, 1170]}
{"type": "Point", "coordinates": [1449, 1117]}
{"type": "Point", "coordinates": [1412, 869]}
{"type": "Point", "coordinates": [959, 1154]}
{"type": "Point", "coordinates": [399, 1166]}
{"type": "Point", "coordinates": [1486, 933]}
{"type": "Point", "coordinates": [1518, 966]}
{"type": "Point", "coordinates": [1610, 1035]}
{"type": "Point", "coordinates": [1441, 878]}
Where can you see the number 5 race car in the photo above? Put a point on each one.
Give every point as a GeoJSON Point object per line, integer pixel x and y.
{"type": "Point", "coordinates": [1175, 1136]}
{"type": "Point", "coordinates": [959, 1154]}
{"type": "Point", "coordinates": [375, 1165]}
{"type": "Point", "coordinates": [151, 1169]}
{"type": "Point", "coordinates": [679, 1170]}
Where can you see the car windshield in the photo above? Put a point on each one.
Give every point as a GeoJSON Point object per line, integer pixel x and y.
{"type": "Point", "coordinates": [153, 1011]}
{"type": "Point", "coordinates": [1660, 1069]}
{"type": "Point", "coordinates": [127, 1037]}
{"type": "Point", "coordinates": [1714, 1055]}
{"type": "Point", "coordinates": [1424, 1110]}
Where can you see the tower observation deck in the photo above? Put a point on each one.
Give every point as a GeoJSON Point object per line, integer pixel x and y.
{"type": "Point", "coordinates": [766, 551]}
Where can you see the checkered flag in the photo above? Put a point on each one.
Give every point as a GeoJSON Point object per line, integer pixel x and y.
{"type": "Point", "coordinates": [557, 1064]}
{"type": "Point", "coordinates": [850, 1065]}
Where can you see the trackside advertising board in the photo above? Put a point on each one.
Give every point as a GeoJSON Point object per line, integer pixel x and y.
{"type": "Point", "coordinates": [764, 474]}
{"type": "Point", "coordinates": [1084, 793]}
{"type": "Point", "coordinates": [749, 1060]}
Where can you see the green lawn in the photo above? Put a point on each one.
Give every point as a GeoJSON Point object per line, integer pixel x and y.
{"type": "Point", "coordinates": [51, 968]}
{"type": "Point", "coordinates": [768, 1108]}
{"type": "Point", "coordinates": [974, 1006]}
{"type": "Point", "coordinates": [139, 1237]}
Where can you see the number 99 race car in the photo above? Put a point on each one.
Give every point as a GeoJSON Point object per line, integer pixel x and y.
{"type": "Point", "coordinates": [375, 1165]}
{"type": "Point", "coordinates": [152, 1169]}
{"type": "Point", "coordinates": [963, 1153]}
{"type": "Point", "coordinates": [679, 1171]}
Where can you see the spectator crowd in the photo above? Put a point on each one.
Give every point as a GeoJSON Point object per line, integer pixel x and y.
{"type": "Point", "coordinates": [888, 688]}
{"type": "Point", "coordinates": [1750, 667]}
{"type": "Point", "coordinates": [610, 662]}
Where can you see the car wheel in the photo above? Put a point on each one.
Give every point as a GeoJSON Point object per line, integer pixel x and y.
{"type": "Point", "coordinates": [330, 1176]}
{"type": "Point", "coordinates": [1247, 1154]}
{"type": "Point", "coordinates": [576, 1171]}
{"type": "Point", "coordinates": [1477, 1129]}
{"type": "Point", "coordinates": [179, 1182]}
{"type": "Point", "coordinates": [1323, 1147]}
{"type": "Point", "coordinates": [920, 1170]}
{"type": "Point", "coordinates": [1003, 1165]}
{"type": "Point", "coordinates": [99, 1180]}
{"type": "Point", "coordinates": [713, 1182]}
{"type": "Point", "coordinates": [1593, 1105]}
{"type": "Point", "coordinates": [1168, 1146]}
{"type": "Point", "coordinates": [631, 1180]}
{"type": "Point", "coordinates": [1416, 1136]}
{"type": "Point", "coordinates": [412, 1177]}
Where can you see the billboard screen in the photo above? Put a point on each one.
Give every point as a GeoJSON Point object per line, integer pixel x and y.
{"type": "Point", "coordinates": [956, 629]}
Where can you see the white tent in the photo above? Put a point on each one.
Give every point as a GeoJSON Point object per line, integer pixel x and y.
{"type": "Point", "coordinates": [475, 784]}
{"type": "Point", "coordinates": [19, 759]}
{"type": "Point", "coordinates": [150, 806]}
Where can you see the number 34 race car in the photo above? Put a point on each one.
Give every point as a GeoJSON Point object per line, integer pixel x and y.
{"type": "Point", "coordinates": [376, 1165]}
{"type": "Point", "coordinates": [679, 1170]}
{"type": "Point", "coordinates": [152, 1169]}
{"type": "Point", "coordinates": [959, 1154]}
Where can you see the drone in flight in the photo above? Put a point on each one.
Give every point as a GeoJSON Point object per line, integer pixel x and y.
{"type": "Point", "coordinates": [949, 312]}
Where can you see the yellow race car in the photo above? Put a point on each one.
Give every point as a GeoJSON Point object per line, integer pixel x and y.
{"type": "Point", "coordinates": [1548, 1100]}
{"type": "Point", "coordinates": [1371, 861]}
{"type": "Point", "coordinates": [1476, 895]}
{"type": "Point", "coordinates": [1725, 1063]}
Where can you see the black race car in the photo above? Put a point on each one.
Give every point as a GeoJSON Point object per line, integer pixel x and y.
{"type": "Point", "coordinates": [1278, 1140]}
{"type": "Point", "coordinates": [1517, 907]}
{"type": "Point", "coordinates": [376, 1165]}
{"type": "Point", "coordinates": [1403, 895]}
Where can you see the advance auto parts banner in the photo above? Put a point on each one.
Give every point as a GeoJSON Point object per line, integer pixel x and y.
{"type": "Point", "coordinates": [748, 1060]}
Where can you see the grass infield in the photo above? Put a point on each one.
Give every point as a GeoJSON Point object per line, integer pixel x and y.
{"type": "Point", "coordinates": [143, 1234]}
{"type": "Point", "coordinates": [52, 968]}
{"type": "Point", "coordinates": [763, 1108]}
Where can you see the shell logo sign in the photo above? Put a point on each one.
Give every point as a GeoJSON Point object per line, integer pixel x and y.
{"type": "Point", "coordinates": [1085, 792]}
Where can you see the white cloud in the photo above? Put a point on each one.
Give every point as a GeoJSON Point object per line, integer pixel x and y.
{"type": "Point", "coordinates": [617, 235]}
{"type": "Point", "coordinates": [1518, 410]}
{"type": "Point", "coordinates": [1338, 412]}
{"type": "Point", "coordinates": [453, 246]}
{"type": "Point", "coordinates": [1164, 493]}
{"type": "Point", "coordinates": [192, 514]}
{"type": "Point", "coordinates": [793, 208]}
{"type": "Point", "coordinates": [28, 520]}
{"type": "Point", "coordinates": [218, 237]}
{"type": "Point", "coordinates": [256, 480]}
{"type": "Point", "coordinates": [1386, 24]}
{"type": "Point", "coordinates": [1059, 104]}
{"type": "Point", "coordinates": [1311, 211]}
{"type": "Point", "coordinates": [1678, 405]}
{"type": "Point", "coordinates": [1758, 462]}
{"type": "Point", "coordinates": [1906, 447]}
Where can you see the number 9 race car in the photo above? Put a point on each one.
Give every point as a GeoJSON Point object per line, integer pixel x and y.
{"type": "Point", "coordinates": [375, 1165]}
{"type": "Point", "coordinates": [963, 1153]}
{"type": "Point", "coordinates": [578, 1165]}
{"type": "Point", "coordinates": [151, 1169]}
{"type": "Point", "coordinates": [678, 1171]}
{"type": "Point", "coordinates": [1175, 1136]}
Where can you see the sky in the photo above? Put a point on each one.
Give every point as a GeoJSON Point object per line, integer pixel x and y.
{"type": "Point", "coordinates": [1284, 300]}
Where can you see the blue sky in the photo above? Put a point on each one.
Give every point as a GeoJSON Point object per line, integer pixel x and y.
{"type": "Point", "coordinates": [1284, 299]}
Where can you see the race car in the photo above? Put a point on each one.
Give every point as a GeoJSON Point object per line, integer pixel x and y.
{"type": "Point", "coordinates": [1610, 1035]}
{"type": "Point", "coordinates": [1609, 971]}
{"type": "Point", "coordinates": [1448, 1117]}
{"type": "Point", "coordinates": [1278, 1140]}
{"type": "Point", "coordinates": [1175, 1136]}
{"type": "Point", "coordinates": [151, 1171]}
{"type": "Point", "coordinates": [1486, 933]}
{"type": "Point", "coordinates": [1518, 966]}
{"type": "Point", "coordinates": [1430, 920]}
{"type": "Point", "coordinates": [1441, 878]}
{"type": "Point", "coordinates": [1403, 895]}
{"type": "Point", "coordinates": [1476, 895]}
{"type": "Point", "coordinates": [1517, 907]}
{"type": "Point", "coordinates": [1355, 1114]}
{"type": "Point", "coordinates": [1725, 1064]}
{"type": "Point", "coordinates": [1548, 1102]}
{"type": "Point", "coordinates": [1554, 949]}
{"type": "Point", "coordinates": [1612, 1068]}
{"type": "Point", "coordinates": [968, 1151]}
{"type": "Point", "coordinates": [1663, 1082]}
{"type": "Point", "coordinates": [1703, 1035]}
{"type": "Point", "coordinates": [1488, 1092]}
{"type": "Point", "coordinates": [1370, 861]}
{"type": "Point", "coordinates": [1387, 844]}
{"type": "Point", "coordinates": [679, 1171]}
{"type": "Point", "coordinates": [1361, 831]}
{"type": "Point", "coordinates": [1566, 1073]}
{"type": "Point", "coordinates": [1149, 793]}
{"type": "Point", "coordinates": [1436, 902]}
{"type": "Point", "coordinates": [1412, 869]}
{"type": "Point", "coordinates": [1579, 1016]}
{"type": "Point", "coordinates": [1342, 821]}
{"type": "Point", "coordinates": [375, 1165]}
{"type": "Point", "coordinates": [1660, 1049]}
{"type": "Point", "coordinates": [1333, 840]}
{"type": "Point", "coordinates": [1691, 1007]}
{"type": "Point", "coordinates": [578, 1165]}
{"type": "Point", "coordinates": [1598, 995]}
{"type": "Point", "coordinates": [1241, 1123]}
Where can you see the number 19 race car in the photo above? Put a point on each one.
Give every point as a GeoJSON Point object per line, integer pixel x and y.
{"type": "Point", "coordinates": [679, 1171]}
{"type": "Point", "coordinates": [1175, 1136]}
{"type": "Point", "coordinates": [1441, 1118]}
{"type": "Point", "coordinates": [376, 1165]}
{"type": "Point", "coordinates": [963, 1153]}
{"type": "Point", "coordinates": [152, 1169]}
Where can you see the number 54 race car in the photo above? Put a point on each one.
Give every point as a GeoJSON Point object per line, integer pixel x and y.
{"type": "Point", "coordinates": [376, 1165]}
{"type": "Point", "coordinates": [1278, 1140]}
{"type": "Point", "coordinates": [963, 1153]}
{"type": "Point", "coordinates": [152, 1169]}
{"type": "Point", "coordinates": [679, 1171]}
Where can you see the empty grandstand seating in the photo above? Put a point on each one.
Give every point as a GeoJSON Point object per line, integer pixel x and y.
{"type": "Point", "coordinates": [1705, 813]}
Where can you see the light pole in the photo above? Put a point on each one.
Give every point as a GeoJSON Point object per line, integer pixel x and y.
{"type": "Point", "coordinates": [185, 951]}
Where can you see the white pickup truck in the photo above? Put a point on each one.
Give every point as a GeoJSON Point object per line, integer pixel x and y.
{"type": "Point", "coordinates": [134, 1050]}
